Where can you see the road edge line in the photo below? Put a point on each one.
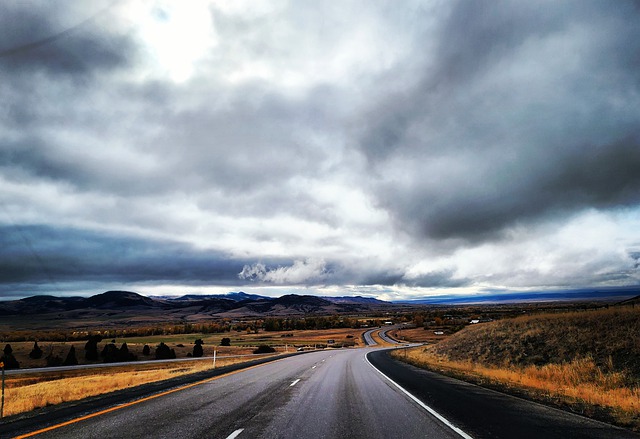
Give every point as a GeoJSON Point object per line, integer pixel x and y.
{"type": "Point", "coordinates": [437, 415]}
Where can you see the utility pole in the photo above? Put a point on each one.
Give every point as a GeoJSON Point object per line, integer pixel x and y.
{"type": "Point", "coordinates": [2, 404]}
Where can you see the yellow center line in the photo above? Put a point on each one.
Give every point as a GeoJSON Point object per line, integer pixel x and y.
{"type": "Point", "coordinates": [137, 401]}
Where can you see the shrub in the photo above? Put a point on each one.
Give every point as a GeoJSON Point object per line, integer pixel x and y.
{"type": "Point", "coordinates": [36, 352]}
{"type": "Point", "coordinates": [164, 353]}
{"type": "Point", "coordinates": [264, 349]}
{"type": "Point", "coordinates": [146, 350]}
{"type": "Point", "coordinates": [110, 353]}
{"type": "Point", "coordinates": [91, 348]}
{"type": "Point", "coordinates": [197, 349]}
{"type": "Point", "coordinates": [226, 341]}
{"type": "Point", "coordinates": [8, 359]}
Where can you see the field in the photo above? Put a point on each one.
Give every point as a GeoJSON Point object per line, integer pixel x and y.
{"type": "Point", "coordinates": [35, 390]}
{"type": "Point", "coordinates": [241, 343]}
{"type": "Point", "coordinates": [587, 361]}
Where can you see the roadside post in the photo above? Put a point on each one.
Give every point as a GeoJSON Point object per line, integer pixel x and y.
{"type": "Point", "coordinates": [214, 358]}
{"type": "Point", "coordinates": [2, 404]}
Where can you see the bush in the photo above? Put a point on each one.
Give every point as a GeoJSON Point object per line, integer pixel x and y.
{"type": "Point", "coordinates": [197, 349]}
{"type": "Point", "coordinates": [146, 350]}
{"type": "Point", "coordinates": [164, 353]}
{"type": "Point", "coordinates": [91, 347]}
{"type": "Point", "coordinates": [110, 353]}
{"type": "Point", "coordinates": [226, 341]}
{"type": "Point", "coordinates": [36, 352]}
{"type": "Point", "coordinates": [264, 349]}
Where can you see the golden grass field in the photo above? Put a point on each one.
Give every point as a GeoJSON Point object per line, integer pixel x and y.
{"type": "Point", "coordinates": [28, 392]}
{"type": "Point", "coordinates": [35, 390]}
{"type": "Point", "coordinates": [565, 359]}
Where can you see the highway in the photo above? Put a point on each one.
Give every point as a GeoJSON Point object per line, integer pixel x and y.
{"type": "Point", "coordinates": [328, 394]}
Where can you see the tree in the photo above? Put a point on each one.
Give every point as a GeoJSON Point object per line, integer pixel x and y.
{"type": "Point", "coordinates": [125, 355]}
{"type": "Point", "coordinates": [8, 359]}
{"type": "Point", "coordinates": [53, 360]}
{"type": "Point", "coordinates": [264, 349]}
{"type": "Point", "coordinates": [36, 352]}
{"type": "Point", "coordinates": [110, 353]}
{"type": "Point", "coordinates": [146, 350]}
{"type": "Point", "coordinates": [197, 349]}
{"type": "Point", "coordinates": [226, 341]}
{"type": "Point", "coordinates": [91, 347]}
{"type": "Point", "coordinates": [71, 359]}
{"type": "Point", "coordinates": [163, 352]}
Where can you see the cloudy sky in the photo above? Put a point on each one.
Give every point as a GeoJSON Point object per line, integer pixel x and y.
{"type": "Point", "coordinates": [396, 149]}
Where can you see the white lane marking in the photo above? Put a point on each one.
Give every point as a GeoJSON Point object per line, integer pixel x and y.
{"type": "Point", "coordinates": [294, 383]}
{"type": "Point", "coordinates": [235, 433]}
{"type": "Point", "coordinates": [442, 419]}
{"type": "Point", "coordinates": [313, 367]}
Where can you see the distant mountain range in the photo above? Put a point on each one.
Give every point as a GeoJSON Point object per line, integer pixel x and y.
{"type": "Point", "coordinates": [190, 306]}
{"type": "Point", "coordinates": [135, 308]}
{"type": "Point", "coordinates": [613, 294]}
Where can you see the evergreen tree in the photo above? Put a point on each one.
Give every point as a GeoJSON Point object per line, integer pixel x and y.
{"type": "Point", "coordinates": [91, 347]}
{"type": "Point", "coordinates": [36, 352]}
{"type": "Point", "coordinates": [71, 359]}
{"type": "Point", "coordinates": [197, 349]}
{"type": "Point", "coordinates": [8, 359]}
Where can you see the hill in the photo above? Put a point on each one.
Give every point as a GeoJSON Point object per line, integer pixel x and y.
{"type": "Point", "coordinates": [608, 336]}
{"type": "Point", "coordinates": [588, 361]}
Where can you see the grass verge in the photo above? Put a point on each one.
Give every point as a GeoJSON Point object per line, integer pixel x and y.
{"type": "Point", "coordinates": [579, 385]}
{"type": "Point", "coordinates": [25, 393]}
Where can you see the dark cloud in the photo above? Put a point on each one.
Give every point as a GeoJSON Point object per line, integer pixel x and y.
{"type": "Point", "coordinates": [481, 143]}
{"type": "Point", "coordinates": [360, 144]}
{"type": "Point", "coordinates": [41, 254]}
{"type": "Point", "coordinates": [35, 39]}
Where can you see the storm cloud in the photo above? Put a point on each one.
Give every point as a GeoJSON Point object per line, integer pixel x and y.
{"type": "Point", "coordinates": [397, 149]}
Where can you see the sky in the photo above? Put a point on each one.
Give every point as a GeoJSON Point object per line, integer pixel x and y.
{"type": "Point", "coordinates": [377, 148]}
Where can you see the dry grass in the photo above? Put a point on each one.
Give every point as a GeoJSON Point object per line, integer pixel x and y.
{"type": "Point", "coordinates": [28, 392]}
{"type": "Point", "coordinates": [586, 361]}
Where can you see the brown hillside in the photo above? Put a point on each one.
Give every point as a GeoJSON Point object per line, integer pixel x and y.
{"type": "Point", "coordinates": [611, 337]}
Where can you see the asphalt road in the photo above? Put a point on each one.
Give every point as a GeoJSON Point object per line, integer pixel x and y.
{"type": "Point", "coordinates": [327, 394]}
{"type": "Point", "coordinates": [368, 337]}
{"type": "Point", "coordinates": [332, 394]}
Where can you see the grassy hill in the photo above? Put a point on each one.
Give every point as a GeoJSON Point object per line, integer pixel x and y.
{"type": "Point", "coordinates": [610, 337]}
{"type": "Point", "coordinates": [588, 362]}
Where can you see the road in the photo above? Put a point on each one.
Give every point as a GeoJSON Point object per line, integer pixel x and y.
{"type": "Point", "coordinates": [327, 394]}
{"type": "Point", "coordinates": [368, 337]}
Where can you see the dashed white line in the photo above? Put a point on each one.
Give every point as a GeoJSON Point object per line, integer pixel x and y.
{"type": "Point", "coordinates": [314, 367]}
{"type": "Point", "coordinates": [294, 383]}
{"type": "Point", "coordinates": [235, 433]}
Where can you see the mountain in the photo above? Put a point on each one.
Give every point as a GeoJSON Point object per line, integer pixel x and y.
{"type": "Point", "coordinates": [121, 299]}
{"type": "Point", "coordinates": [134, 307]}
{"type": "Point", "coordinates": [237, 297]}
{"type": "Point", "coordinates": [582, 294]}
{"type": "Point", "coordinates": [357, 299]}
